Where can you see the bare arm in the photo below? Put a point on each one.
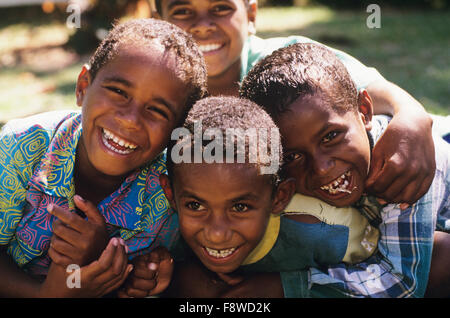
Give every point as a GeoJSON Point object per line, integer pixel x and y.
{"type": "Point", "coordinates": [15, 282]}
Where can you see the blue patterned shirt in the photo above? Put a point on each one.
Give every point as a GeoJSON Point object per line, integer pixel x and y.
{"type": "Point", "coordinates": [37, 156]}
{"type": "Point", "coordinates": [402, 264]}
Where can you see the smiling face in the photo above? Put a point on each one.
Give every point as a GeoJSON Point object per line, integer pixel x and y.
{"type": "Point", "coordinates": [128, 110]}
{"type": "Point", "coordinates": [223, 210]}
{"type": "Point", "coordinates": [220, 27]}
{"type": "Point", "coordinates": [327, 153]}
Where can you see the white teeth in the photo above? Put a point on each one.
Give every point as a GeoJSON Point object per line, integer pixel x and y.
{"type": "Point", "coordinates": [209, 47]}
{"type": "Point", "coordinates": [108, 135]}
{"type": "Point", "coordinates": [340, 184]}
{"type": "Point", "coordinates": [220, 253]}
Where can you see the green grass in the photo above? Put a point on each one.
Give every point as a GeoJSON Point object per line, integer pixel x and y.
{"type": "Point", "coordinates": [411, 49]}
{"type": "Point", "coordinates": [23, 92]}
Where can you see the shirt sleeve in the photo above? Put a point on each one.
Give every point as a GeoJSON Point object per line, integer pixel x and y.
{"type": "Point", "coordinates": [256, 49]}
{"type": "Point", "coordinates": [399, 269]}
{"type": "Point", "coordinates": [13, 165]}
{"type": "Point", "coordinates": [362, 75]}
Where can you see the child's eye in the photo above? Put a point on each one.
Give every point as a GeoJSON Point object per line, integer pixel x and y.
{"type": "Point", "coordinates": [158, 111]}
{"type": "Point", "coordinates": [330, 136]}
{"type": "Point", "coordinates": [181, 13]}
{"type": "Point", "coordinates": [195, 206]}
{"type": "Point", "coordinates": [292, 157]}
{"type": "Point", "coordinates": [222, 9]}
{"type": "Point", "coordinates": [117, 91]}
{"type": "Point", "coordinates": [240, 207]}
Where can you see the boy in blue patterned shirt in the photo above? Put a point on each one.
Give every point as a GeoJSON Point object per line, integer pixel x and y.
{"type": "Point", "coordinates": [59, 168]}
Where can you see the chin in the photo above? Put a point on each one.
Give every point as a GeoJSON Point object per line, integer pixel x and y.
{"type": "Point", "coordinates": [344, 202]}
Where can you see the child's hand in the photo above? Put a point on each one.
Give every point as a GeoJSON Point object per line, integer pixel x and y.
{"type": "Point", "coordinates": [403, 206]}
{"type": "Point", "coordinates": [151, 276]}
{"type": "Point", "coordinates": [403, 165]}
{"type": "Point", "coordinates": [96, 279]}
{"type": "Point", "coordinates": [75, 240]}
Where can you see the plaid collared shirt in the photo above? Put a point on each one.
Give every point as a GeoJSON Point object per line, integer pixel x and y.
{"type": "Point", "coordinates": [402, 264]}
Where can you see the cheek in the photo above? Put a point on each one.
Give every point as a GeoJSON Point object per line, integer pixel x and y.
{"type": "Point", "coordinates": [359, 149]}
{"type": "Point", "coordinates": [189, 227]}
{"type": "Point", "coordinates": [296, 172]}
{"type": "Point", "coordinates": [253, 230]}
{"type": "Point", "coordinates": [159, 134]}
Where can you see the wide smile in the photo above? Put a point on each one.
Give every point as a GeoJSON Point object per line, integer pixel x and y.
{"type": "Point", "coordinates": [220, 253]}
{"type": "Point", "coordinates": [210, 48]}
{"type": "Point", "coordinates": [341, 186]}
{"type": "Point", "coordinates": [220, 256]}
{"type": "Point", "coordinates": [117, 144]}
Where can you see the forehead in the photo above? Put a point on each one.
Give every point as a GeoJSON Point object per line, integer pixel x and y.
{"type": "Point", "coordinates": [221, 178]}
{"type": "Point", "coordinates": [139, 64]}
{"type": "Point", "coordinates": [149, 71]}
{"type": "Point", "coordinates": [308, 109]}
{"type": "Point", "coordinates": [307, 116]}
{"type": "Point", "coordinates": [170, 3]}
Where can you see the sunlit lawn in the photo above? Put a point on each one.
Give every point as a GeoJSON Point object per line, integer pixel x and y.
{"type": "Point", "coordinates": [411, 48]}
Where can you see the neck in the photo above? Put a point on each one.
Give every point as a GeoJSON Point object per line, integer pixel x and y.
{"type": "Point", "coordinates": [90, 183]}
{"type": "Point", "coordinates": [230, 90]}
{"type": "Point", "coordinates": [226, 83]}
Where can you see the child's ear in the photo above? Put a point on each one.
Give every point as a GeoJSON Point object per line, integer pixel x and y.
{"type": "Point", "coordinates": [83, 82]}
{"type": "Point", "coordinates": [365, 108]}
{"type": "Point", "coordinates": [283, 195]}
{"type": "Point", "coordinates": [167, 188]}
{"type": "Point", "coordinates": [251, 15]}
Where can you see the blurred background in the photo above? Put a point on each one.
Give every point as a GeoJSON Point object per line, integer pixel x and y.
{"type": "Point", "coordinates": [41, 55]}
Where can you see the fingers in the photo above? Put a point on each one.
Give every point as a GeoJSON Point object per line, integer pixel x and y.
{"type": "Point", "coordinates": [106, 258]}
{"type": "Point", "coordinates": [68, 218]}
{"type": "Point", "coordinates": [137, 287]}
{"type": "Point", "coordinates": [66, 232]}
{"type": "Point", "coordinates": [396, 182]}
{"type": "Point", "coordinates": [118, 281]}
{"type": "Point", "coordinates": [110, 270]}
{"type": "Point", "coordinates": [120, 261]}
{"type": "Point", "coordinates": [59, 258]}
{"type": "Point", "coordinates": [91, 211]}
{"type": "Point", "coordinates": [152, 274]}
{"type": "Point", "coordinates": [382, 173]}
{"type": "Point", "coordinates": [59, 251]}
{"type": "Point", "coordinates": [376, 166]}
{"type": "Point", "coordinates": [405, 188]}
{"type": "Point", "coordinates": [163, 277]}
{"type": "Point", "coordinates": [146, 266]}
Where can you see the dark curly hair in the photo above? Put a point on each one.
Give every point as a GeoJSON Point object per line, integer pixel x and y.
{"type": "Point", "coordinates": [190, 65]}
{"type": "Point", "coordinates": [296, 71]}
{"type": "Point", "coordinates": [242, 115]}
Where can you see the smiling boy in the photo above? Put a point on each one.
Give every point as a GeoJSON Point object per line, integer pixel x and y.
{"type": "Point", "coordinates": [232, 212]}
{"type": "Point", "coordinates": [328, 135]}
{"type": "Point", "coordinates": [59, 167]}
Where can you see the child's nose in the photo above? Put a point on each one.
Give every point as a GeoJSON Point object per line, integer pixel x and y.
{"type": "Point", "coordinates": [202, 26]}
{"type": "Point", "coordinates": [128, 117]}
{"type": "Point", "coordinates": [323, 164]}
{"type": "Point", "coordinates": [217, 230]}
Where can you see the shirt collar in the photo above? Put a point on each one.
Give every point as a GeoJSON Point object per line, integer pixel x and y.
{"type": "Point", "coordinates": [138, 201]}
{"type": "Point", "coordinates": [54, 174]}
